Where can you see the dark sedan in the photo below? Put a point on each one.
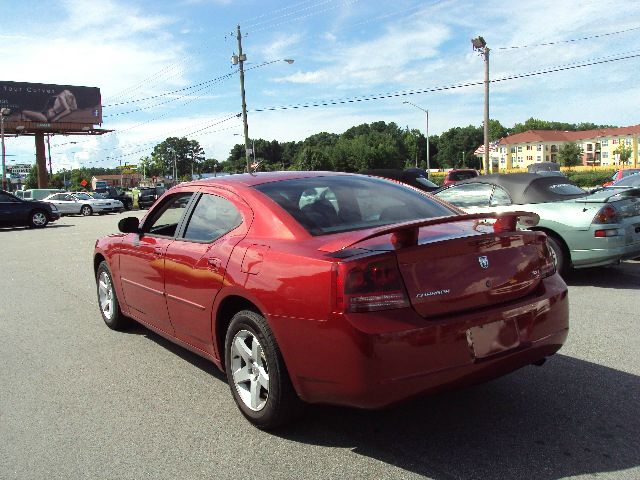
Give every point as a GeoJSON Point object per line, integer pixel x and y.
{"type": "Point", "coordinates": [412, 177]}
{"type": "Point", "coordinates": [17, 212]}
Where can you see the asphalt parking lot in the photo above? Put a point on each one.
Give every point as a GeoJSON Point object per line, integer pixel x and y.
{"type": "Point", "coordinates": [78, 400]}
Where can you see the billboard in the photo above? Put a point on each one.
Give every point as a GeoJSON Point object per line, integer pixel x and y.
{"type": "Point", "coordinates": [48, 103]}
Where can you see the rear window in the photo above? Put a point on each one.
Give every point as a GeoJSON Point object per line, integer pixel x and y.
{"type": "Point", "coordinates": [332, 204]}
{"type": "Point", "coordinates": [565, 189]}
{"type": "Point", "coordinates": [459, 176]}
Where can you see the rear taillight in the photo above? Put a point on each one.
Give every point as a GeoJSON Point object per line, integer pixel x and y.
{"type": "Point", "coordinates": [548, 264]}
{"type": "Point", "coordinates": [607, 214]}
{"type": "Point", "coordinates": [611, 232]}
{"type": "Point", "coordinates": [370, 284]}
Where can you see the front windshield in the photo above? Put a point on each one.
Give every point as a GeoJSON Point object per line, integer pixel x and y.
{"type": "Point", "coordinates": [337, 203]}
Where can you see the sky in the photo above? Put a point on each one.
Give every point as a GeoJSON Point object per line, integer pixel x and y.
{"type": "Point", "coordinates": [355, 61]}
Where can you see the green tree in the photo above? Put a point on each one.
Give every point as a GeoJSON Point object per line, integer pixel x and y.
{"type": "Point", "coordinates": [569, 154]}
{"type": "Point", "coordinates": [496, 130]}
{"type": "Point", "coordinates": [313, 158]}
{"type": "Point", "coordinates": [32, 178]}
{"type": "Point", "coordinates": [624, 152]}
{"type": "Point", "coordinates": [187, 154]}
{"type": "Point", "coordinates": [456, 146]}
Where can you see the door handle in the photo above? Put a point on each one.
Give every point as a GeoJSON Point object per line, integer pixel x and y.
{"type": "Point", "coordinates": [214, 263]}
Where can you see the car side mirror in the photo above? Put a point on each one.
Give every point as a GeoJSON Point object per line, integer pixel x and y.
{"type": "Point", "coordinates": [129, 225]}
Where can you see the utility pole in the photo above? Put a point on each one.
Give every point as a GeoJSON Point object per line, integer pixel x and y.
{"type": "Point", "coordinates": [49, 150]}
{"type": "Point", "coordinates": [240, 59]}
{"type": "Point", "coordinates": [480, 45]}
{"type": "Point", "coordinates": [175, 168]}
{"type": "Point", "coordinates": [3, 112]}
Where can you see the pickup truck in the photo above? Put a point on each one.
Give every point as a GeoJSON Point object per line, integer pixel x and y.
{"type": "Point", "coordinates": [116, 194]}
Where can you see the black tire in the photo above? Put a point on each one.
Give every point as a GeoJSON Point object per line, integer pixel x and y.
{"type": "Point", "coordinates": [559, 253]}
{"type": "Point", "coordinates": [128, 205]}
{"type": "Point", "coordinates": [280, 403]}
{"type": "Point", "coordinates": [38, 219]}
{"type": "Point", "coordinates": [112, 316]}
{"type": "Point", "coordinates": [86, 210]}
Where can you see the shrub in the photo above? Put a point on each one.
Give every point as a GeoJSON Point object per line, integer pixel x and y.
{"type": "Point", "coordinates": [590, 179]}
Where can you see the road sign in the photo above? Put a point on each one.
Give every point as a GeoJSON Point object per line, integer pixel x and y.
{"type": "Point", "coordinates": [84, 183]}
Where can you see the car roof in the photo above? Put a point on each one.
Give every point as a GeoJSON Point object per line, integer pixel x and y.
{"type": "Point", "coordinates": [526, 187]}
{"type": "Point", "coordinates": [242, 181]}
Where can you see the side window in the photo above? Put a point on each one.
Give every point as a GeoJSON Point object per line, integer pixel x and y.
{"type": "Point", "coordinates": [167, 217]}
{"type": "Point", "coordinates": [468, 195]}
{"type": "Point", "coordinates": [5, 197]}
{"type": "Point", "coordinates": [67, 198]}
{"type": "Point", "coordinates": [500, 197]}
{"type": "Point", "coordinates": [212, 218]}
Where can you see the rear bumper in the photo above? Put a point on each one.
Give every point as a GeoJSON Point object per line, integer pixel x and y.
{"type": "Point", "coordinates": [376, 360]}
{"type": "Point", "coordinates": [610, 253]}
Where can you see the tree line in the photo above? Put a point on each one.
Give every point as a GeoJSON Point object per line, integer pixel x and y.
{"type": "Point", "coordinates": [362, 147]}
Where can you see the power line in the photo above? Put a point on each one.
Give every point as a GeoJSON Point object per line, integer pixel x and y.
{"type": "Point", "coordinates": [569, 41]}
{"type": "Point", "coordinates": [274, 25]}
{"type": "Point", "coordinates": [206, 82]}
{"type": "Point", "coordinates": [367, 98]}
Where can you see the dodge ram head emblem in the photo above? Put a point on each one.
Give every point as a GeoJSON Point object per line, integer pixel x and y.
{"type": "Point", "coordinates": [484, 262]}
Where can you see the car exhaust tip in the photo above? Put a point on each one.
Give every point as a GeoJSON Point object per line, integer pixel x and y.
{"type": "Point", "coordinates": [539, 363]}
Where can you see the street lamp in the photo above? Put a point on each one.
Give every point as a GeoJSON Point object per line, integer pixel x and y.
{"type": "Point", "coordinates": [427, 113]}
{"type": "Point", "coordinates": [239, 60]}
{"type": "Point", "coordinates": [3, 112]}
{"type": "Point", "coordinates": [479, 45]}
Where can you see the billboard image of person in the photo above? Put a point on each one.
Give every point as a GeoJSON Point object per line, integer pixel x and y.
{"type": "Point", "coordinates": [46, 103]}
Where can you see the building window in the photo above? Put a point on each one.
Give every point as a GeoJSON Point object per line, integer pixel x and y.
{"type": "Point", "coordinates": [605, 154]}
{"type": "Point", "coordinates": [605, 142]}
{"type": "Point", "coordinates": [539, 148]}
{"type": "Point", "coordinates": [547, 158]}
{"type": "Point", "coordinates": [627, 141]}
{"type": "Point", "coordinates": [529, 158]}
{"type": "Point", "coordinates": [589, 147]}
{"type": "Point", "coordinates": [538, 158]}
{"type": "Point", "coordinates": [519, 149]}
{"type": "Point", "coordinates": [614, 141]}
{"type": "Point", "coordinates": [528, 147]}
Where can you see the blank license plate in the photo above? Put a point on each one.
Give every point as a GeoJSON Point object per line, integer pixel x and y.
{"type": "Point", "coordinates": [491, 338]}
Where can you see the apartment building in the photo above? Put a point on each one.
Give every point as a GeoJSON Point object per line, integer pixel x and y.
{"type": "Point", "coordinates": [598, 147]}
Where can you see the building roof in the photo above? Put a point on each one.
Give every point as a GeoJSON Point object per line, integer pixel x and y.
{"type": "Point", "coordinates": [533, 136]}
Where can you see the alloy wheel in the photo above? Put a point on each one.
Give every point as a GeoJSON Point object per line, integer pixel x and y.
{"type": "Point", "coordinates": [39, 219]}
{"type": "Point", "coordinates": [106, 296]}
{"type": "Point", "coordinates": [250, 370]}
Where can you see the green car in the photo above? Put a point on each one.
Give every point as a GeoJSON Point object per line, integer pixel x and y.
{"type": "Point", "coordinates": [584, 229]}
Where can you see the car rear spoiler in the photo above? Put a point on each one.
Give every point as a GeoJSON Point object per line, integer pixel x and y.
{"type": "Point", "coordinates": [620, 193]}
{"type": "Point", "coordinates": [406, 234]}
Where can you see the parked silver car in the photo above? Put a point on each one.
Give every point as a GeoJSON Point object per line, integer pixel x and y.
{"type": "Point", "coordinates": [82, 204]}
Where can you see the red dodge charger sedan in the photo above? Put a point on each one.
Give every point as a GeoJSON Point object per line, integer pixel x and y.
{"type": "Point", "coordinates": [322, 287]}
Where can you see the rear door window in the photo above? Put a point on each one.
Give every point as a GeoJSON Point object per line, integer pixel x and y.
{"type": "Point", "coordinates": [212, 218]}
